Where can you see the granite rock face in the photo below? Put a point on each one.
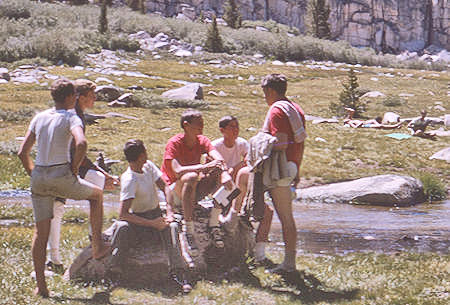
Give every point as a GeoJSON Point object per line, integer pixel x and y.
{"type": "Point", "coordinates": [384, 190]}
{"type": "Point", "coordinates": [387, 25]}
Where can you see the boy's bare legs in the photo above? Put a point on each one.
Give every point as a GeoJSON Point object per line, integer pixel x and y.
{"type": "Point", "coordinates": [39, 251]}
{"type": "Point", "coordinates": [282, 201]}
{"type": "Point", "coordinates": [262, 232]}
{"type": "Point", "coordinates": [185, 188]}
{"type": "Point", "coordinates": [99, 248]}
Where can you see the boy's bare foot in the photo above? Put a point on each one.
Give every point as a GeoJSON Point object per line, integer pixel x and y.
{"type": "Point", "coordinates": [102, 251]}
{"type": "Point", "coordinates": [42, 292]}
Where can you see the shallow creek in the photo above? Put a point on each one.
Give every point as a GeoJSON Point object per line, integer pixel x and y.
{"type": "Point", "coordinates": [340, 228]}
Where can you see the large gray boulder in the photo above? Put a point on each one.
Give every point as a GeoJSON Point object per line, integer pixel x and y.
{"type": "Point", "coordinates": [108, 93]}
{"type": "Point", "coordinates": [443, 154]}
{"type": "Point", "coordinates": [189, 92]}
{"type": "Point", "coordinates": [148, 264]}
{"type": "Point", "coordinates": [385, 190]}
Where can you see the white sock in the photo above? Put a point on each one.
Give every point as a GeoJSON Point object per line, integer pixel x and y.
{"type": "Point", "coordinates": [260, 251]}
{"type": "Point", "coordinates": [214, 217]}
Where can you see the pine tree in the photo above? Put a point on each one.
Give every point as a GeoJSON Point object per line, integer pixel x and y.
{"type": "Point", "coordinates": [350, 97]}
{"type": "Point", "coordinates": [134, 4]}
{"type": "Point", "coordinates": [103, 21]}
{"type": "Point", "coordinates": [232, 15]}
{"type": "Point", "coordinates": [320, 12]}
{"type": "Point", "coordinates": [213, 41]}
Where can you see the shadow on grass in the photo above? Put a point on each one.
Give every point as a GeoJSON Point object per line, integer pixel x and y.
{"type": "Point", "coordinates": [298, 285]}
{"type": "Point", "coordinates": [98, 298]}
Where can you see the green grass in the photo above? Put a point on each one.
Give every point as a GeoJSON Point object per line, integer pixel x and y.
{"type": "Point", "coordinates": [359, 278]}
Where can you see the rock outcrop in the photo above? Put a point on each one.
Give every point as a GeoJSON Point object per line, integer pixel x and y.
{"type": "Point", "coordinates": [385, 190]}
{"type": "Point", "coordinates": [148, 264]}
{"type": "Point", "coordinates": [382, 24]}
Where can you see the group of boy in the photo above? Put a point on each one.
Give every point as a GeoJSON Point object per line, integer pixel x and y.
{"type": "Point", "coordinates": [183, 179]}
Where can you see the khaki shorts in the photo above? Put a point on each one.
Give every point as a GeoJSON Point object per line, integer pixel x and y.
{"type": "Point", "coordinates": [49, 182]}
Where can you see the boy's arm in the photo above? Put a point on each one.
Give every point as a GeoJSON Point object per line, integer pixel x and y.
{"type": "Point", "coordinates": [162, 185]}
{"type": "Point", "coordinates": [80, 148]}
{"type": "Point", "coordinates": [180, 170]}
{"type": "Point", "coordinates": [124, 214]}
{"type": "Point", "coordinates": [25, 150]}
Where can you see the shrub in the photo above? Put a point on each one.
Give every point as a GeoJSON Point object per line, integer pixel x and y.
{"type": "Point", "coordinates": [433, 187]}
{"type": "Point", "coordinates": [24, 114]}
{"type": "Point", "coordinates": [123, 43]}
{"type": "Point", "coordinates": [392, 101]}
{"type": "Point", "coordinates": [103, 19]}
{"type": "Point", "coordinates": [320, 12]}
{"type": "Point", "coordinates": [150, 101]}
{"type": "Point", "coordinates": [232, 15]}
{"type": "Point", "coordinates": [213, 41]}
{"type": "Point", "coordinates": [350, 97]}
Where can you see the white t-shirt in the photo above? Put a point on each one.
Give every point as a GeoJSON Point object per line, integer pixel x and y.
{"type": "Point", "coordinates": [141, 187]}
{"type": "Point", "coordinates": [53, 135]}
{"type": "Point", "coordinates": [232, 155]}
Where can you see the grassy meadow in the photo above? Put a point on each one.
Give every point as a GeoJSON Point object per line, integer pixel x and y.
{"type": "Point", "coordinates": [333, 153]}
{"type": "Point", "coordinates": [347, 153]}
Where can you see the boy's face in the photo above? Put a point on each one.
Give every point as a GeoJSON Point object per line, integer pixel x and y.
{"type": "Point", "coordinates": [195, 127]}
{"type": "Point", "coordinates": [231, 131]}
{"type": "Point", "coordinates": [87, 100]}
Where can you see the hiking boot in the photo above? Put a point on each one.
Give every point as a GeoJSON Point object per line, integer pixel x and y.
{"type": "Point", "coordinates": [181, 283]}
{"type": "Point", "coordinates": [192, 245]}
{"type": "Point", "coordinates": [55, 268]}
{"type": "Point", "coordinates": [216, 236]}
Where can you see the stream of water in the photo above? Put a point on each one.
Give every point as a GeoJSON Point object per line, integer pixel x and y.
{"type": "Point", "coordinates": [341, 228]}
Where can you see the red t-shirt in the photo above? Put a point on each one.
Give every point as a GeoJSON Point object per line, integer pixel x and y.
{"type": "Point", "coordinates": [177, 149]}
{"type": "Point", "coordinates": [279, 122]}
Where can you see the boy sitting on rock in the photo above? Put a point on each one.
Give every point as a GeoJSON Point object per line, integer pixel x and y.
{"type": "Point", "coordinates": [141, 217]}
{"type": "Point", "coordinates": [234, 150]}
{"type": "Point", "coordinates": [189, 179]}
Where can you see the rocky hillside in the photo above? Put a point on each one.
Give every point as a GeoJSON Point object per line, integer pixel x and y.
{"type": "Point", "coordinates": [388, 25]}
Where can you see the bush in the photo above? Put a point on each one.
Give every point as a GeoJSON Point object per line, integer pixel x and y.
{"type": "Point", "coordinates": [433, 188]}
{"type": "Point", "coordinates": [123, 43]}
{"type": "Point", "coordinates": [24, 114]}
{"type": "Point", "coordinates": [350, 97]}
{"type": "Point", "coordinates": [392, 101]}
{"type": "Point", "coordinates": [150, 101]}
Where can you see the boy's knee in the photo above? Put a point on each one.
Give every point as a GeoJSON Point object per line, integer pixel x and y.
{"type": "Point", "coordinates": [190, 178]}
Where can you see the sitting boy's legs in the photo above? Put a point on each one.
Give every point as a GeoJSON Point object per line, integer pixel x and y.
{"type": "Point", "coordinates": [262, 232]}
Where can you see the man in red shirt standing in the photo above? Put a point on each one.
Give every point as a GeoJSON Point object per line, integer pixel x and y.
{"type": "Point", "coordinates": [188, 178]}
{"type": "Point", "coordinates": [285, 121]}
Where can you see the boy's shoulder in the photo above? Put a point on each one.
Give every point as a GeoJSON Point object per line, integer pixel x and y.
{"type": "Point", "coordinates": [217, 141]}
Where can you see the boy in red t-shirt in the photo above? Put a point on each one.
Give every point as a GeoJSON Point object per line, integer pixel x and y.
{"type": "Point", "coordinates": [188, 178]}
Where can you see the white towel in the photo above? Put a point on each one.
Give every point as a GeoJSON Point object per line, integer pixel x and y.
{"type": "Point", "coordinates": [294, 117]}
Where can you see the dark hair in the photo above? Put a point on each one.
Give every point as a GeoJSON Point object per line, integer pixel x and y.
{"type": "Point", "coordinates": [223, 122]}
{"type": "Point", "coordinates": [188, 116]}
{"type": "Point", "coordinates": [61, 89]}
{"type": "Point", "coordinates": [277, 82]}
{"type": "Point", "coordinates": [133, 149]}
{"type": "Point", "coordinates": [379, 119]}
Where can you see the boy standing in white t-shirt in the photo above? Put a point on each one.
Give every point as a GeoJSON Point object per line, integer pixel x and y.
{"type": "Point", "coordinates": [52, 174]}
{"type": "Point", "coordinates": [141, 217]}
{"type": "Point", "coordinates": [234, 150]}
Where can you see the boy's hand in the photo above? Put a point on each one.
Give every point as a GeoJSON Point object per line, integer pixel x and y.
{"type": "Point", "coordinates": [210, 166]}
{"type": "Point", "coordinates": [159, 223]}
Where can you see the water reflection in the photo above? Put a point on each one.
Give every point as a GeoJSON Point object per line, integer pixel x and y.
{"type": "Point", "coordinates": [341, 228]}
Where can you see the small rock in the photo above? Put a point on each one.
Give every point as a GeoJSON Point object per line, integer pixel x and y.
{"type": "Point", "coordinates": [406, 95]}
{"type": "Point", "coordinates": [188, 92]}
{"type": "Point", "coordinates": [135, 87]}
{"type": "Point", "coordinates": [116, 104]}
{"type": "Point", "coordinates": [107, 93]}
{"type": "Point", "coordinates": [373, 94]}
{"type": "Point", "coordinates": [318, 139]}
{"type": "Point", "coordinates": [103, 80]}
{"type": "Point", "coordinates": [277, 63]}
{"type": "Point", "coordinates": [183, 53]}
{"type": "Point", "coordinates": [221, 93]}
